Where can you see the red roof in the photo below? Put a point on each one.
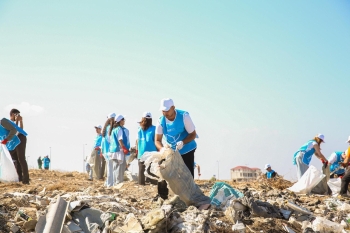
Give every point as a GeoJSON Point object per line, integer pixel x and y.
{"type": "Point", "coordinates": [245, 168]}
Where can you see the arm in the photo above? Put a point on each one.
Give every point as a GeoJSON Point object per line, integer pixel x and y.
{"type": "Point", "coordinates": [20, 120]}
{"type": "Point", "coordinates": [190, 137]}
{"type": "Point", "coordinates": [7, 125]}
{"type": "Point", "coordinates": [190, 128]}
{"type": "Point", "coordinates": [158, 141]}
{"type": "Point", "coordinates": [318, 153]}
{"type": "Point", "coordinates": [332, 158]}
{"type": "Point", "coordinates": [136, 145]}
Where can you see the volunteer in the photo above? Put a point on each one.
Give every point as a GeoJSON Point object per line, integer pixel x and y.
{"type": "Point", "coordinates": [346, 178]}
{"type": "Point", "coordinates": [15, 139]}
{"type": "Point", "coordinates": [119, 149]}
{"type": "Point", "coordinates": [105, 143]}
{"type": "Point", "coordinates": [179, 132]}
{"type": "Point", "coordinates": [269, 172]}
{"type": "Point", "coordinates": [335, 161]}
{"type": "Point", "coordinates": [95, 157]}
{"type": "Point", "coordinates": [145, 142]}
{"type": "Point", "coordinates": [303, 156]}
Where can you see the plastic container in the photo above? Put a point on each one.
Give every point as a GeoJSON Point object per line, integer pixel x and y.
{"type": "Point", "coordinates": [23, 216]}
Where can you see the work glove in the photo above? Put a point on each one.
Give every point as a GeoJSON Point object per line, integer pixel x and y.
{"type": "Point", "coordinates": [179, 145]}
{"type": "Point", "coordinates": [125, 151]}
{"type": "Point", "coordinates": [325, 163]}
{"type": "Point", "coordinates": [97, 148]}
{"type": "Point", "coordinates": [4, 141]}
{"type": "Point", "coordinates": [137, 152]}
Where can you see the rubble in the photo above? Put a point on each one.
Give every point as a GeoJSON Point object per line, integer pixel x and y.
{"type": "Point", "coordinates": [261, 206]}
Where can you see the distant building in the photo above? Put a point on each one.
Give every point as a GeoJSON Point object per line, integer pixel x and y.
{"type": "Point", "coordinates": [243, 173]}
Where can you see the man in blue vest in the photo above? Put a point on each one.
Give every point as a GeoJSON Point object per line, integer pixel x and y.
{"type": "Point", "coordinates": [179, 132]}
{"type": "Point", "coordinates": [335, 161]}
{"type": "Point", "coordinates": [15, 138]}
{"type": "Point", "coordinates": [269, 172]}
{"type": "Point", "coordinates": [302, 157]}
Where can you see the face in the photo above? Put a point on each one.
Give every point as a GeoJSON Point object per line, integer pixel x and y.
{"type": "Point", "coordinates": [122, 122]}
{"type": "Point", "coordinates": [170, 114]}
{"type": "Point", "coordinates": [268, 169]}
{"type": "Point", "coordinates": [13, 116]}
{"type": "Point", "coordinates": [98, 130]}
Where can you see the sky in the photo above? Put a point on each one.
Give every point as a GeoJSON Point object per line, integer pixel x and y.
{"type": "Point", "coordinates": [259, 78]}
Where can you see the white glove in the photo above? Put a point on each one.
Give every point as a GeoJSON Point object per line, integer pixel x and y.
{"type": "Point", "coordinates": [179, 145]}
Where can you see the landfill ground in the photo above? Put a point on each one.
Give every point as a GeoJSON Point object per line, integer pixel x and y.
{"type": "Point", "coordinates": [49, 184]}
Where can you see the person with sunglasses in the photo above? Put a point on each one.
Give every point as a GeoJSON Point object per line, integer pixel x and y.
{"type": "Point", "coordinates": [118, 150]}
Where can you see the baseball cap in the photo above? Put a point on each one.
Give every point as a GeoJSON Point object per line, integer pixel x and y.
{"type": "Point", "coordinates": [118, 118]}
{"type": "Point", "coordinates": [166, 104]}
{"type": "Point", "coordinates": [321, 136]}
{"type": "Point", "coordinates": [147, 115]}
{"type": "Point", "coordinates": [98, 126]}
{"type": "Point", "coordinates": [267, 166]}
{"type": "Point", "coordinates": [112, 114]}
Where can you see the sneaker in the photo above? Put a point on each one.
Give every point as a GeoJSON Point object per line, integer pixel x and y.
{"type": "Point", "coordinates": [343, 196]}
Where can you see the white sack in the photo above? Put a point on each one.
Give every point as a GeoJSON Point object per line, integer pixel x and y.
{"type": "Point", "coordinates": [7, 168]}
{"type": "Point", "coordinates": [308, 181]}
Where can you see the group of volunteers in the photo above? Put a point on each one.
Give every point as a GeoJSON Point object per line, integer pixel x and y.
{"type": "Point", "coordinates": [112, 144]}
{"type": "Point", "coordinates": [337, 162]}
{"type": "Point", "coordinates": [44, 161]}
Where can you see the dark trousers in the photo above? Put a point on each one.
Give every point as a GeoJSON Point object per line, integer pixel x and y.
{"type": "Point", "coordinates": [103, 168]}
{"type": "Point", "coordinates": [188, 159]}
{"type": "Point", "coordinates": [19, 159]}
{"type": "Point", "coordinates": [142, 178]}
{"type": "Point", "coordinates": [345, 183]}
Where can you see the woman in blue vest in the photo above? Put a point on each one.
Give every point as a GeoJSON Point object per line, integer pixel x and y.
{"type": "Point", "coordinates": [335, 161]}
{"type": "Point", "coordinates": [269, 172]}
{"type": "Point", "coordinates": [119, 149]}
{"type": "Point", "coordinates": [105, 143]}
{"type": "Point", "coordinates": [145, 142]}
{"type": "Point", "coordinates": [179, 132]}
{"type": "Point", "coordinates": [302, 157]}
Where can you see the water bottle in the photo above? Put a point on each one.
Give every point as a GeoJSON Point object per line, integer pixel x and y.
{"type": "Point", "coordinates": [23, 216]}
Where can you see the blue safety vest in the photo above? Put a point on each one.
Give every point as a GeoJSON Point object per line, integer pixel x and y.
{"type": "Point", "coordinates": [145, 140]}
{"type": "Point", "coordinates": [269, 174]}
{"type": "Point", "coordinates": [114, 146]}
{"type": "Point", "coordinates": [15, 141]}
{"type": "Point", "coordinates": [175, 131]}
{"type": "Point", "coordinates": [46, 162]}
{"type": "Point", "coordinates": [336, 164]}
{"type": "Point", "coordinates": [98, 141]}
{"type": "Point", "coordinates": [307, 154]}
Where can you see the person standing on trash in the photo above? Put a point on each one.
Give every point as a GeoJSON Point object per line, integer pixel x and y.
{"type": "Point", "coordinates": [303, 156]}
{"type": "Point", "coordinates": [179, 132]}
{"type": "Point", "coordinates": [269, 172]}
{"type": "Point", "coordinates": [345, 180]}
{"type": "Point", "coordinates": [13, 130]}
{"type": "Point", "coordinates": [119, 149]}
{"type": "Point", "coordinates": [40, 162]}
{"type": "Point", "coordinates": [95, 157]}
{"type": "Point", "coordinates": [335, 161]}
{"type": "Point", "coordinates": [145, 142]}
{"type": "Point", "coordinates": [46, 162]}
{"type": "Point", "coordinates": [105, 143]}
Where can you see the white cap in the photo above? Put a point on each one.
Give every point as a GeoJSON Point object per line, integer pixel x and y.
{"type": "Point", "coordinates": [166, 104]}
{"type": "Point", "coordinates": [348, 141]}
{"type": "Point", "coordinates": [118, 118]}
{"type": "Point", "coordinates": [267, 166]}
{"type": "Point", "coordinates": [98, 126]}
{"type": "Point", "coordinates": [320, 136]}
{"type": "Point", "coordinates": [112, 114]}
{"type": "Point", "coordinates": [147, 115]}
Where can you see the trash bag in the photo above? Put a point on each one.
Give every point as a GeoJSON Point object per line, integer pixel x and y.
{"type": "Point", "coordinates": [261, 209]}
{"type": "Point", "coordinates": [308, 181]}
{"type": "Point", "coordinates": [170, 166]}
{"type": "Point", "coordinates": [7, 168]}
{"type": "Point", "coordinates": [323, 225]}
{"type": "Point", "coordinates": [334, 184]}
{"type": "Point", "coordinates": [322, 187]}
{"type": "Point", "coordinates": [221, 192]}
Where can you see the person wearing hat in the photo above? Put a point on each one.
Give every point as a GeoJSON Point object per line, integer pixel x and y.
{"type": "Point", "coordinates": [118, 150]}
{"type": "Point", "coordinates": [46, 162]}
{"type": "Point", "coordinates": [302, 157]}
{"type": "Point", "coordinates": [145, 142]}
{"type": "Point", "coordinates": [335, 160]}
{"type": "Point", "coordinates": [269, 172]}
{"type": "Point", "coordinates": [345, 180]}
{"type": "Point", "coordinates": [95, 160]}
{"type": "Point", "coordinates": [105, 143]}
{"type": "Point", "coordinates": [179, 132]}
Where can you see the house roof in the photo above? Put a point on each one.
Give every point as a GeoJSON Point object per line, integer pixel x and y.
{"type": "Point", "coordinates": [245, 168]}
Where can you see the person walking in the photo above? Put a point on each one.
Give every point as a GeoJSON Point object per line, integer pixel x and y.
{"type": "Point", "coordinates": [40, 162]}
{"type": "Point", "coordinates": [302, 157]}
{"type": "Point", "coordinates": [46, 162]}
{"type": "Point", "coordinates": [119, 149]}
{"type": "Point", "coordinates": [179, 132]}
{"type": "Point", "coordinates": [16, 142]}
{"type": "Point", "coordinates": [145, 142]}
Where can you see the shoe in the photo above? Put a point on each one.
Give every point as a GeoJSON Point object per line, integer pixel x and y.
{"type": "Point", "coordinates": [343, 196]}
{"type": "Point", "coordinates": [27, 183]}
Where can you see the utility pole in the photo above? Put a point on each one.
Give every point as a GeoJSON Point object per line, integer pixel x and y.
{"type": "Point", "coordinates": [84, 156]}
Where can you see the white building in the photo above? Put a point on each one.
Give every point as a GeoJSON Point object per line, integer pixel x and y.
{"type": "Point", "coordinates": [243, 173]}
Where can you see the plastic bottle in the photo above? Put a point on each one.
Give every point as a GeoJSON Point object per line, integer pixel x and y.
{"type": "Point", "coordinates": [23, 216]}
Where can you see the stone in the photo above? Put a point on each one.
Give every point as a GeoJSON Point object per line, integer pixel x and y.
{"type": "Point", "coordinates": [30, 225]}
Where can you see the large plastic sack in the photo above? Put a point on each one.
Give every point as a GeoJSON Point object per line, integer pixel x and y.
{"type": "Point", "coordinates": [7, 168]}
{"type": "Point", "coordinates": [322, 187]}
{"type": "Point", "coordinates": [221, 192]}
{"type": "Point", "coordinates": [308, 181]}
{"type": "Point", "coordinates": [334, 184]}
{"type": "Point", "coordinates": [173, 169]}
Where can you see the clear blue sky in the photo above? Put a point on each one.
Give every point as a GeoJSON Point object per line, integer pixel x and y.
{"type": "Point", "coordinates": [259, 78]}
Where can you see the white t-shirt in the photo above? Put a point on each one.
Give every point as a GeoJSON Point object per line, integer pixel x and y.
{"type": "Point", "coordinates": [119, 155]}
{"type": "Point", "coordinates": [189, 126]}
{"type": "Point", "coordinates": [311, 145]}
